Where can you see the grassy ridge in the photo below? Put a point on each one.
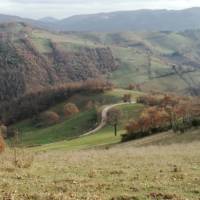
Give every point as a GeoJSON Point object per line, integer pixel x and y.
{"type": "Point", "coordinates": [102, 137]}
{"type": "Point", "coordinates": [67, 129]}
{"type": "Point", "coordinates": [81, 123]}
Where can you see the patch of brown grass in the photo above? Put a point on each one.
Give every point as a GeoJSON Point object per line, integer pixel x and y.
{"type": "Point", "coordinates": [153, 172]}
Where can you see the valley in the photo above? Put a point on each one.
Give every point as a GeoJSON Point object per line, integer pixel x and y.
{"type": "Point", "coordinates": [100, 107]}
{"type": "Point", "coordinates": [79, 124]}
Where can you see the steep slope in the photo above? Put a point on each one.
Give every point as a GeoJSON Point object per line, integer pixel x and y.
{"type": "Point", "coordinates": [32, 59]}
{"type": "Point", "coordinates": [25, 68]}
{"type": "Point", "coordinates": [165, 61]}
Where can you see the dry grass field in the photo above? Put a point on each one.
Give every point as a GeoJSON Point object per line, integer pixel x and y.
{"type": "Point", "coordinates": [132, 172]}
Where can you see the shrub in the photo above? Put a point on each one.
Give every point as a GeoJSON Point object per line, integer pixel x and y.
{"type": "Point", "coordinates": [196, 122]}
{"type": "Point", "coordinates": [70, 109]}
{"type": "Point", "coordinates": [89, 105]}
{"type": "Point", "coordinates": [134, 87]}
{"type": "Point", "coordinates": [164, 112]}
{"type": "Point", "coordinates": [2, 144]}
{"type": "Point", "coordinates": [49, 118]}
{"type": "Point", "coordinates": [152, 120]}
{"type": "Point", "coordinates": [151, 100]}
{"type": "Point", "coordinates": [126, 98]}
{"type": "Point", "coordinates": [22, 159]}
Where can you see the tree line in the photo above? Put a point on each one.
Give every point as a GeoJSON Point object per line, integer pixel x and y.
{"type": "Point", "coordinates": [164, 112]}
{"type": "Point", "coordinates": [33, 103]}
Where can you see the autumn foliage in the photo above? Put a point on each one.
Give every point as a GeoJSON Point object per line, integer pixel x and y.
{"type": "Point", "coordinates": [164, 112]}
{"type": "Point", "coordinates": [136, 87]}
{"type": "Point", "coordinates": [38, 101]}
{"type": "Point", "coordinates": [70, 109]}
{"type": "Point", "coordinates": [49, 118]}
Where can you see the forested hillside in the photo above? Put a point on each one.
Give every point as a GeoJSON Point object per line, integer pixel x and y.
{"type": "Point", "coordinates": [29, 63]}
{"type": "Point", "coordinates": [32, 59]}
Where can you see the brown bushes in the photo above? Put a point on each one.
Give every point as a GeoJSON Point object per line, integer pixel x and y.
{"type": "Point", "coordinates": [151, 120]}
{"type": "Point", "coordinates": [49, 118]}
{"type": "Point", "coordinates": [22, 159]}
{"type": "Point", "coordinates": [127, 98]}
{"type": "Point", "coordinates": [136, 87]}
{"type": "Point", "coordinates": [2, 144]}
{"type": "Point", "coordinates": [70, 109]}
{"type": "Point", "coordinates": [164, 112]}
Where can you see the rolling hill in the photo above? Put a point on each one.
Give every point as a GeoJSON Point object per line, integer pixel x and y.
{"type": "Point", "coordinates": [58, 138]}
{"type": "Point", "coordinates": [32, 59]}
{"type": "Point", "coordinates": [139, 20]}
{"type": "Point", "coordinates": [86, 120]}
{"type": "Point", "coordinates": [121, 21]}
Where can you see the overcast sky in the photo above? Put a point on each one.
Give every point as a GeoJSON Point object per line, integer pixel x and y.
{"type": "Point", "coordinates": [65, 8]}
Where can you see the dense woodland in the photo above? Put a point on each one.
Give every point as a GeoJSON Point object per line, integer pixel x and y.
{"type": "Point", "coordinates": [36, 102]}
{"type": "Point", "coordinates": [24, 69]}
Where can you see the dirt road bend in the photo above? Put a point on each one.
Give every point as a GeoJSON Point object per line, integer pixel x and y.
{"type": "Point", "coordinates": [104, 117]}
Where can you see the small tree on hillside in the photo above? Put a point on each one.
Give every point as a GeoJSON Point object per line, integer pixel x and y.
{"type": "Point", "coordinates": [133, 127]}
{"type": "Point", "coordinates": [126, 98]}
{"type": "Point", "coordinates": [162, 118]}
{"type": "Point", "coordinates": [144, 122]}
{"type": "Point", "coordinates": [70, 109]}
{"type": "Point", "coordinates": [2, 144]}
{"type": "Point", "coordinates": [131, 86]}
{"type": "Point", "coordinates": [89, 105]}
{"type": "Point", "coordinates": [113, 118]}
{"type": "Point", "coordinates": [49, 118]}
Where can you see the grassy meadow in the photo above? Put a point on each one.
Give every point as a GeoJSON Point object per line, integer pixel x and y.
{"type": "Point", "coordinates": [147, 171]}
{"type": "Point", "coordinates": [80, 123]}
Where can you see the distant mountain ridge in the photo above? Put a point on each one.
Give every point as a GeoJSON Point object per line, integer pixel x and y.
{"type": "Point", "coordinates": [139, 20]}
{"type": "Point", "coordinates": [48, 20]}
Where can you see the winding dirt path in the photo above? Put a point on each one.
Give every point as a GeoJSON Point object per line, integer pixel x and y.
{"type": "Point", "coordinates": [104, 117]}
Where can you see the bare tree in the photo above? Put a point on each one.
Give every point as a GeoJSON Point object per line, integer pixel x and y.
{"type": "Point", "coordinates": [113, 118]}
{"type": "Point", "coordinates": [127, 98]}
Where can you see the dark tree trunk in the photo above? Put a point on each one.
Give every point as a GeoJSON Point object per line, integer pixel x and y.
{"type": "Point", "coordinates": [115, 128]}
